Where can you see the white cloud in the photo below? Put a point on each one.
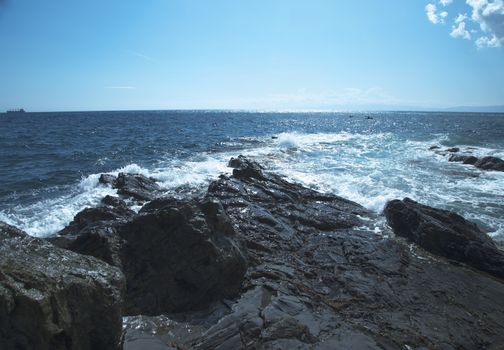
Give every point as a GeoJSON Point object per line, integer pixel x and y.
{"type": "Point", "coordinates": [460, 18]}
{"type": "Point", "coordinates": [445, 2]}
{"type": "Point", "coordinates": [443, 14]}
{"type": "Point", "coordinates": [490, 16]}
{"type": "Point", "coordinates": [430, 10]}
{"type": "Point", "coordinates": [486, 41]}
{"type": "Point", "coordinates": [459, 31]}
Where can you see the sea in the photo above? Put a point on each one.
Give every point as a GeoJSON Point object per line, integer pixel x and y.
{"type": "Point", "coordinates": [50, 162]}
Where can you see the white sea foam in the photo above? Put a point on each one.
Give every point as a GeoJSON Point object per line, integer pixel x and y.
{"type": "Point", "coordinates": [51, 215]}
{"type": "Point", "coordinates": [369, 169]}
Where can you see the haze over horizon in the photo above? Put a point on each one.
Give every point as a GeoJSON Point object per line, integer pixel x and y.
{"type": "Point", "coordinates": [261, 55]}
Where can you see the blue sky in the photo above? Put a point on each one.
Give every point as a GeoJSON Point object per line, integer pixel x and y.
{"type": "Point", "coordinates": [261, 54]}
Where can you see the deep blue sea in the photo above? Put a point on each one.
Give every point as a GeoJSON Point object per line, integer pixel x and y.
{"type": "Point", "coordinates": [50, 162]}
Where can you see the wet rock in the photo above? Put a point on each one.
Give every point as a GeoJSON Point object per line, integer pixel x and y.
{"type": "Point", "coordinates": [318, 278]}
{"type": "Point", "coordinates": [446, 234]}
{"type": "Point", "coordinates": [490, 163]}
{"type": "Point", "coordinates": [453, 150]}
{"type": "Point", "coordinates": [107, 179]}
{"type": "Point", "coordinates": [180, 257]}
{"type": "Point", "coordinates": [243, 168]}
{"type": "Point", "coordinates": [93, 231]}
{"type": "Point", "coordinates": [431, 148]}
{"type": "Point", "coordinates": [177, 255]}
{"type": "Point", "coordinates": [463, 159]}
{"type": "Point", "coordinates": [137, 186]}
{"type": "Point", "coordinates": [52, 298]}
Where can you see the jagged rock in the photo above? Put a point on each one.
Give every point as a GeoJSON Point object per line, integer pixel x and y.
{"type": "Point", "coordinates": [490, 163]}
{"type": "Point", "coordinates": [93, 231]}
{"type": "Point", "coordinates": [463, 159]}
{"type": "Point", "coordinates": [176, 255]}
{"type": "Point", "coordinates": [107, 179]}
{"type": "Point", "coordinates": [54, 299]}
{"type": "Point", "coordinates": [180, 257]}
{"type": "Point", "coordinates": [243, 168]}
{"type": "Point", "coordinates": [137, 186]}
{"type": "Point", "coordinates": [446, 234]}
{"type": "Point", "coordinates": [320, 278]}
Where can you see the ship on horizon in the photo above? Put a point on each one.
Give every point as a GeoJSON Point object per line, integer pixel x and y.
{"type": "Point", "coordinates": [15, 111]}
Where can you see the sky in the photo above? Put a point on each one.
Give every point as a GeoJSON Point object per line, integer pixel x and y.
{"type": "Point", "coordinates": [60, 55]}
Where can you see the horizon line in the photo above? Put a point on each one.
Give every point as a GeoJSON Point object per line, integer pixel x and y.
{"type": "Point", "coordinates": [463, 109]}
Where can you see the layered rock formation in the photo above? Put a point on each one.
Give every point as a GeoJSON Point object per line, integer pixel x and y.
{"type": "Point", "coordinates": [320, 278]}
{"type": "Point", "coordinates": [446, 234]}
{"type": "Point", "coordinates": [55, 299]}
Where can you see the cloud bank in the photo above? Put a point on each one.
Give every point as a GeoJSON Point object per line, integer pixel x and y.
{"type": "Point", "coordinates": [485, 25]}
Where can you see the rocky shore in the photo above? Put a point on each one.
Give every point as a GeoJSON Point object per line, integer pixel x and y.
{"type": "Point", "coordinates": [256, 263]}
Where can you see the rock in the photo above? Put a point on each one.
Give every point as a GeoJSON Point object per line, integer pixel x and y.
{"type": "Point", "coordinates": [490, 163]}
{"type": "Point", "coordinates": [243, 168]}
{"type": "Point", "coordinates": [431, 148]}
{"type": "Point", "coordinates": [446, 234]}
{"type": "Point", "coordinates": [177, 255]}
{"type": "Point", "coordinates": [318, 275]}
{"type": "Point", "coordinates": [93, 231]}
{"type": "Point", "coordinates": [453, 150]}
{"type": "Point", "coordinates": [52, 298]}
{"type": "Point", "coordinates": [107, 179]}
{"type": "Point", "coordinates": [137, 186]}
{"type": "Point", "coordinates": [180, 257]}
{"type": "Point", "coordinates": [463, 159]}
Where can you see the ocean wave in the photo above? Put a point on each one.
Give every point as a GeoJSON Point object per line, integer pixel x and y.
{"type": "Point", "coordinates": [368, 168]}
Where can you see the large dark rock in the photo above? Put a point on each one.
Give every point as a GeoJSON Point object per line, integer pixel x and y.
{"type": "Point", "coordinates": [54, 299]}
{"type": "Point", "coordinates": [180, 257]}
{"type": "Point", "coordinates": [177, 255]}
{"type": "Point", "coordinates": [490, 163]}
{"type": "Point", "coordinates": [446, 234]}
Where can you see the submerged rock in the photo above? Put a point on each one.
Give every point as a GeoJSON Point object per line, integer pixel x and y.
{"type": "Point", "coordinates": [54, 299]}
{"type": "Point", "coordinates": [446, 234]}
{"type": "Point", "coordinates": [490, 163]}
{"type": "Point", "coordinates": [466, 159]}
